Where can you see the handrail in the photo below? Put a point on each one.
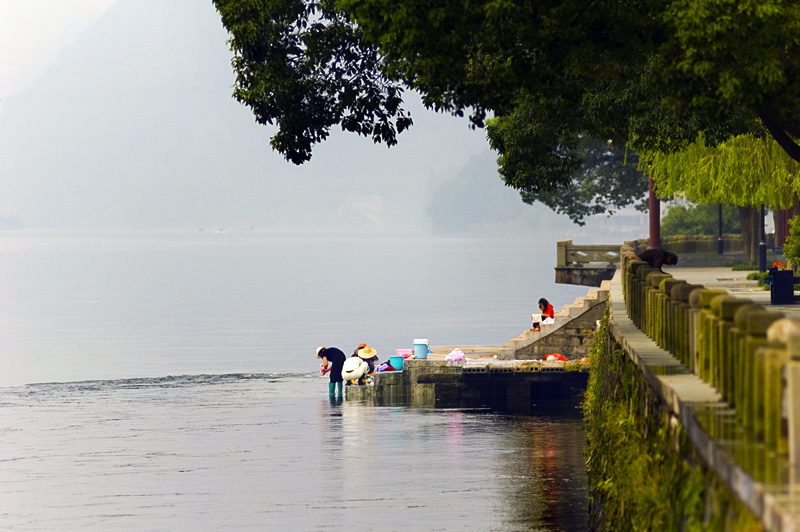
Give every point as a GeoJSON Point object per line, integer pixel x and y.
{"type": "Point", "coordinates": [569, 255]}
{"type": "Point", "coordinates": [749, 354]}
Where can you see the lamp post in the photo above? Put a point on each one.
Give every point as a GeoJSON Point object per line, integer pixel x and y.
{"type": "Point", "coordinates": [654, 205]}
{"type": "Point", "coordinates": [762, 246]}
{"type": "Point", "coordinates": [720, 242]}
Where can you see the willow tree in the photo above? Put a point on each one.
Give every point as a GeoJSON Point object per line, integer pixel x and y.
{"type": "Point", "coordinates": [745, 171]}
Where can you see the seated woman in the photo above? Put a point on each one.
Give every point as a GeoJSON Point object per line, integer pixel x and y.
{"type": "Point", "coordinates": [546, 310]}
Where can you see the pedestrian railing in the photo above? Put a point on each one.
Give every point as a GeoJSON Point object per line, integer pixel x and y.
{"type": "Point", "coordinates": [569, 255]}
{"type": "Point", "coordinates": [695, 244]}
{"type": "Point", "coordinates": [749, 354]}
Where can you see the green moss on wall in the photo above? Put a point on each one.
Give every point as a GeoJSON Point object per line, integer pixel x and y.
{"type": "Point", "coordinates": [643, 473]}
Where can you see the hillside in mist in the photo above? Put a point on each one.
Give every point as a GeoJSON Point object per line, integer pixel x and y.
{"type": "Point", "coordinates": [135, 126]}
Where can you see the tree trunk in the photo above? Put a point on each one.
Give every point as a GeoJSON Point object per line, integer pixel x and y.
{"type": "Point", "coordinates": [755, 236]}
{"type": "Point", "coordinates": [751, 232]}
{"type": "Point", "coordinates": [744, 218]}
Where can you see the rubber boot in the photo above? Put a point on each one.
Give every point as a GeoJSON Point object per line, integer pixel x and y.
{"type": "Point", "coordinates": [332, 389]}
{"type": "Point", "coordinates": [340, 385]}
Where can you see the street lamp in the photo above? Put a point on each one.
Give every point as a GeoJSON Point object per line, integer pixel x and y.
{"type": "Point", "coordinates": [762, 246]}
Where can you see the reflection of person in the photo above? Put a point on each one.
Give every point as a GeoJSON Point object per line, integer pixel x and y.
{"type": "Point", "coordinates": [334, 357]}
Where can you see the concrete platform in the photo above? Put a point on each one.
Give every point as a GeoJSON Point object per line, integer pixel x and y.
{"type": "Point", "coordinates": [477, 382]}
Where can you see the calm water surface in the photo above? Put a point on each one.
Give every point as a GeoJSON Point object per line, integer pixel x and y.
{"type": "Point", "coordinates": [179, 389]}
{"type": "Point", "coordinates": [260, 452]}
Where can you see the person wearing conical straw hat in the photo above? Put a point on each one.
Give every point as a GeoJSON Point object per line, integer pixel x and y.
{"type": "Point", "coordinates": [370, 356]}
{"type": "Point", "coordinates": [335, 357]}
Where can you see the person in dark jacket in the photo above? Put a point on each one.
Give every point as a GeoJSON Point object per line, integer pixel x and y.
{"type": "Point", "coordinates": [335, 357]}
{"type": "Point", "coordinates": [657, 257]}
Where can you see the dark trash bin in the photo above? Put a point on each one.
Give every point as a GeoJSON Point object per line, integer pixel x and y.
{"type": "Point", "coordinates": [782, 287]}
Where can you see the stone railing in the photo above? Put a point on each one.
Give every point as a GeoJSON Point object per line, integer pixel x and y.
{"type": "Point", "coordinates": [569, 255]}
{"type": "Point", "coordinates": [749, 354]}
{"type": "Point", "coordinates": [693, 244]}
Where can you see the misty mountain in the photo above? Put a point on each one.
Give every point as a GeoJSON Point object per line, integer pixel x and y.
{"type": "Point", "coordinates": [135, 127]}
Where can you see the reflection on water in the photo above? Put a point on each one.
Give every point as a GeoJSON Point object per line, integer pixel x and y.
{"type": "Point", "coordinates": [458, 469]}
{"type": "Point", "coordinates": [549, 486]}
{"type": "Point", "coordinates": [274, 453]}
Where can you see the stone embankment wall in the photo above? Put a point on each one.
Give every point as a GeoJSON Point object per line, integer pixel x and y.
{"type": "Point", "coordinates": [699, 391]}
{"type": "Point", "coordinates": [643, 470]}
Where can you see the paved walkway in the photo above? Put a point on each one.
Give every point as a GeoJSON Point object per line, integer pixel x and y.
{"type": "Point", "coordinates": [735, 282]}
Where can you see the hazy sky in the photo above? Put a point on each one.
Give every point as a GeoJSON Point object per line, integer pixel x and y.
{"type": "Point", "coordinates": [33, 32]}
{"type": "Point", "coordinates": [118, 114]}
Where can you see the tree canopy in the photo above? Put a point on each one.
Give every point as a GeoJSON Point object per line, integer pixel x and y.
{"type": "Point", "coordinates": [304, 67]}
{"type": "Point", "coordinates": [654, 75]}
{"type": "Point", "coordinates": [607, 181]}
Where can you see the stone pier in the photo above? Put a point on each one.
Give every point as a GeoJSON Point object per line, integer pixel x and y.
{"type": "Point", "coordinates": [516, 385]}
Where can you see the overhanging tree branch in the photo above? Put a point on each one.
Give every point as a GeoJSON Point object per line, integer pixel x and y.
{"type": "Point", "coordinates": [779, 133]}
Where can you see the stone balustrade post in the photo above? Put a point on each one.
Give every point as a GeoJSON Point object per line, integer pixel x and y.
{"type": "Point", "coordinates": [791, 404]}
{"type": "Point", "coordinates": [755, 370]}
{"type": "Point", "coordinates": [707, 340]}
{"type": "Point", "coordinates": [639, 318]}
{"type": "Point", "coordinates": [671, 313]}
{"type": "Point", "coordinates": [657, 302]}
{"type": "Point", "coordinates": [682, 330]}
{"type": "Point", "coordinates": [727, 343]}
{"type": "Point", "coordinates": [784, 339]}
{"type": "Point", "coordinates": [694, 328]}
{"type": "Point", "coordinates": [739, 358]}
{"type": "Point", "coordinates": [774, 359]}
{"type": "Point", "coordinates": [561, 253]}
{"type": "Point", "coordinates": [634, 303]}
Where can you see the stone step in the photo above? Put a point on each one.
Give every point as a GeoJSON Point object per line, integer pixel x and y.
{"type": "Point", "coordinates": [563, 317]}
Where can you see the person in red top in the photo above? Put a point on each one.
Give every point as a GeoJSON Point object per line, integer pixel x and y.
{"type": "Point", "coordinates": [547, 309]}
